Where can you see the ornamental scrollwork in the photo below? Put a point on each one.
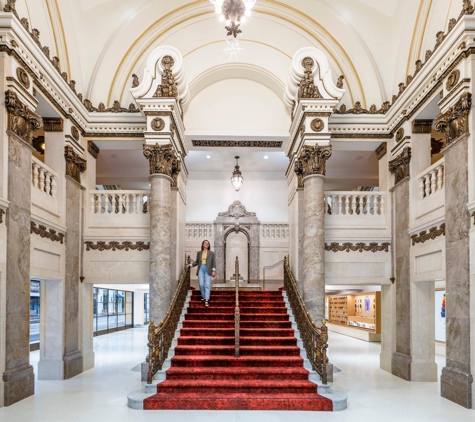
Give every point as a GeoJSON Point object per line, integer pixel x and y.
{"type": "Point", "coordinates": [75, 165]}
{"type": "Point", "coordinates": [168, 87]}
{"type": "Point", "coordinates": [307, 88]}
{"type": "Point", "coordinates": [312, 160]}
{"type": "Point", "coordinates": [454, 122]}
{"type": "Point", "coordinates": [357, 247]}
{"type": "Point", "coordinates": [400, 165]}
{"type": "Point", "coordinates": [117, 246]}
{"type": "Point", "coordinates": [44, 232]}
{"type": "Point", "coordinates": [21, 120]}
{"type": "Point", "coordinates": [424, 236]}
{"type": "Point", "coordinates": [237, 210]}
{"type": "Point", "coordinates": [162, 159]}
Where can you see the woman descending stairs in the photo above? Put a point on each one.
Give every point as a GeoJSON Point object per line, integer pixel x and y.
{"type": "Point", "coordinates": [268, 375]}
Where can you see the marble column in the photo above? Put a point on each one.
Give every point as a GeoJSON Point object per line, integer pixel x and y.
{"type": "Point", "coordinates": [218, 230]}
{"type": "Point", "coordinates": [401, 358]}
{"type": "Point", "coordinates": [163, 166]}
{"type": "Point", "coordinates": [311, 167]}
{"type": "Point", "coordinates": [19, 380]}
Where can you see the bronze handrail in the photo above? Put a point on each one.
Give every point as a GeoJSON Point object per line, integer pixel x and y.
{"type": "Point", "coordinates": [160, 337]}
{"type": "Point", "coordinates": [315, 339]}
{"type": "Point", "coordinates": [237, 314]}
{"type": "Point", "coordinates": [269, 267]}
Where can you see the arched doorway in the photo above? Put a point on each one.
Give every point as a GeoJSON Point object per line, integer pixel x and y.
{"type": "Point", "coordinates": [236, 244]}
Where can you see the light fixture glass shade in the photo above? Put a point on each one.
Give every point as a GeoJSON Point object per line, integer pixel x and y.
{"type": "Point", "coordinates": [237, 179]}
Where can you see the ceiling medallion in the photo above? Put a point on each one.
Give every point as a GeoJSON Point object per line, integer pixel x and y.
{"type": "Point", "coordinates": [158, 124]}
{"type": "Point", "coordinates": [317, 125]}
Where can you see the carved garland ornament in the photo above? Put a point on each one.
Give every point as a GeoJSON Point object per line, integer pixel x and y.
{"type": "Point", "coordinates": [75, 165]}
{"type": "Point", "coordinates": [117, 246]}
{"type": "Point", "coordinates": [357, 247]}
{"type": "Point", "coordinates": [168, 87]}
{"type": "Point", "coordinates": [44, 232]}
{"type": "Point", "coordinates": [163, 160]}
{"type": "Point", "coordinates": [433, 233]}
{"type": "Point", "coordinates": [311, 161]}
{"type": "Point", "coordinates": [307, 88]}
{"type": "Point", "coordinates": [454, 122]}
{"type": "Point", "coordinates": [400, 165]}
{"type": "Point", "coordinates": [21, 120]}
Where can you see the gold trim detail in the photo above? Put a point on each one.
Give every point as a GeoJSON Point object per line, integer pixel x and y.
{"type": "Point", "coordinates": [399, 135]}
{"type": "Point", "coordinates": [75, 165]}
{"type": "Point", "coordinates": [422, 126]}
{"type": "Point", "coordinates": [23, 77]}
{"type": "Point", "coordinates": [117, 246]}
{"type": "Point", "coordinates": [400, 165]}
{"type": "Point", "coordinates": [237, 144]}
{"type": "Point", "coordinates": [44, 232]}
{"type": "Point", "coordinates": [75, 133]}
{"type": "Point", "coordinates": [10, 6]}
{"type": "Point", "coordinates": [358, 109]}
{"type": "Point", "coordinates": [158, 124]}
{"type": "Point", "coordinates": [317, 125]}
{"type": "Point", "coordinates": [312, 161]}
{"type": "Point", "coordinates": [454, 122]}
{"type": "Point", "coordinates": [53, 124]}
{"type": "Point", "coordinates": [168, 87]}
{"type": "Point", "coordinates": [21, 121]}
{"type": "Point", "coordinates": [163, 160]}
{"type": "Point", "coordinates": [452, 80]}
{"type": "Point", "coordinates": [423, 236]}
{"type": "Point", "coordinates": [93, 149]}
{"type": "Point", "coordinates": [382, 150]}
{"type": "Point", "coordinates": [357, 247]}
{"type": "Point", "coordinates": [307, 88]}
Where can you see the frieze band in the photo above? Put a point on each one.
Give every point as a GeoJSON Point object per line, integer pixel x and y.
{"type": "Point", "coordinates": [237, 144]}
{"type": "Point", "coordinates": [424, 236]}
{"type": "Point", "coordinates": [44, 232]}
{"type": "Point", "coordinates": [357, 247]}
{"type": "Point", "coordinates": [117, 246]}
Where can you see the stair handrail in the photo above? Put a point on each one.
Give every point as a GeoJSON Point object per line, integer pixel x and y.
{"type": "Point", "coordinates": [315, 339]}
{"type": "Point", "coordinates": [237, 313]}
{"type": "Point", "coordinates": [160, 337]}
{"type": "Point", "coordinates": [269, 267]}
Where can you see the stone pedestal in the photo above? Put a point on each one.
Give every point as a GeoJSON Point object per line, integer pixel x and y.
{"type": "Point", "coordinates": [19, 380]}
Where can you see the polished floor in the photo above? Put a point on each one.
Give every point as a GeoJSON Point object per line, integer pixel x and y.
{"type": "Point", "coordinates": [101, 393]}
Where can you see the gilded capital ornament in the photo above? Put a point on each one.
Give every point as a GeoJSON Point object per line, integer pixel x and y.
{"type": "Point", "coordinates": [311, 161]}
{"type": "Point", "coordinates": [400, 165]}
{"type": "Point", "coordinates": [168, 88]}
{"type": "Point", "coordinates": [163, 160]}
{"type": "Point", "coordinates": [75, 165]}
{"type": "Point", "coordinates": [454, 122]}
{"type": "Point", "coordinates": [21, 120]}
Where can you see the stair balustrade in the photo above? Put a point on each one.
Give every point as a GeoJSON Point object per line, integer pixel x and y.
{"type": "Point", "coordinates": [237, 313]}
{"type": "Point", "coordinates": [274, 231]}
{"type": "Point", "coordinates": [199, 230]}
{"type": "Point", "coordinates": [160, 337]}
{"type": "Point", "coordinates": [354, 203]}
{"type": "Point", "coordinates": [43, 178]}
{"type": "Point", "coordinates": [315, 339]}
{"type": "Point", "coordinates": [269, 267]}
{"type": "Point", "coordinates": [431, 180]}
{"type": "Point", "coordinates": [119, 201]}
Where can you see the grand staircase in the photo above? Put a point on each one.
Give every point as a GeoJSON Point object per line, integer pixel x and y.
{"type": "Point", "coordinates": [268, 375]}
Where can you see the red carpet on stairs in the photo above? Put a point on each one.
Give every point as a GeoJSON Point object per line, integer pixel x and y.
{"type": "Point", "coordinates": [268, 375]}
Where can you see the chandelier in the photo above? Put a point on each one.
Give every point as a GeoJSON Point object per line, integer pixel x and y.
{"type": "Point", "coordinates": [236, 178]}
{"type": "Point", "coordinates": [234, 13]}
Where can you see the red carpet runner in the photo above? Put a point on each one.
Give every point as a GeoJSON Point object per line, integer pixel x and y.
{"type": "Point", "coordinates": [269, 374]}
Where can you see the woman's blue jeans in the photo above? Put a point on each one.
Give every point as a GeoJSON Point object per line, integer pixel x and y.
{"type": "Point", "coordinates": [205, 282]}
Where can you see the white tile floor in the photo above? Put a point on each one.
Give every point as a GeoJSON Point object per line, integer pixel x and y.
{"type": "Point", "coordinates": [101, 393]}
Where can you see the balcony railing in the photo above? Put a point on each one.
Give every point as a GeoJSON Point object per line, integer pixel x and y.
{"type": "Point", "coordinates": [199, 230]}
{"type": "Point", "coordinates": [119, 202]}
{"type": "Point", "coordinates": [431, 180]}
{"type": "Point", "coordinates": [355, 203]}
{"type": "Point", "coordinates": [275, 231]}
{"type": "Point", "coordinates": [43, 178]}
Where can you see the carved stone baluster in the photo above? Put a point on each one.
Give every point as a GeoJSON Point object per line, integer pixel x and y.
{"type": "Point", "coordinates": [340, 204]}
{"type": "Point", "coordinates": [41, 179]}
{"type": "Point", "coordinates": [433, 181]}
{"type": "Point", "coordinates": [54, 186]}
{"type": "Point", "coordinates": [440, 177]}
{"type": "Point", "coordinates": [93, 199]}
{"type": "Point", "coordinates": [427, 184]}
{"type": "Point", "coordinates": [351, 203]}
{"type": "Point", "coordinates": [381, 204]}
{"type": "Point", "coordinates": [102, 204]}
{"type": "Point", "coordinates": [48, 182]}
{"type": "Point", "coordinates": [35, 175]}
{"type": "Point", "coordinates": [126, 204]}
{"type": "Point", "coordinates": [421, 188]}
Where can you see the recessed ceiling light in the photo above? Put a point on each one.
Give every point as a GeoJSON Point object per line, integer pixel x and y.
{"type": "Point", "coordinates": [265, 157]}
{"type": "Point", "coordinates": [208, 156]}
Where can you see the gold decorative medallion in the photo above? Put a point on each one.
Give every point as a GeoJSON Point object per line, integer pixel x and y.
{"type": "Point", "coordinates": [317, 125]}
{"type": "Point", "coordinates": [399, 135]}
{"type": "Point", "coordinates": [158, 124]}
{"type": "Point", "coordinates": [452, 80]}
{"type": "Point", "coordinates": [23, 77]}
{"type": "Point", "coordinates": [75, 133]}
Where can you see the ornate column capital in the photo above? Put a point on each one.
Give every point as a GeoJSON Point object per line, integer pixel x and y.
{"type": "Point", "coordinates": [453, 124]}
{"type": "Point", "coordinates": [400, 165]}
{"type": "Point", "coordinates": [312, 161]}
{"type": "Point", "coordinates": [75, 165]}
{"type": "Point", "coordinates": [163, 160]}
{"type": "Point", "coordinates": [21, 120]}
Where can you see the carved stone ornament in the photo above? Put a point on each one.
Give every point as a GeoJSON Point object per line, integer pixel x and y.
{"type": "Point", "coordinates": [452, 80]}
{"type": "Point", "coordinates": [433, 233]}
{"type": "Point", "coordinates": [454, 122]}
{"type": "Point", "coordinates": [399, 135]}
{"type": "Point", "coordinates": [317, 125]}
{"type": "Point", "coordinates": [467, 8]}
{"type": "Point", "coordinates": [422, 126]}
{"type": "Point", "coordinates": [75, 133]}
{"type": "Point", "coordinates": [23, 77]}
{"type": "Point", "coordinates": [357, 247]}
{"type": "Point", "coordinates": [11, 7]}
{"type": "Point", "coordinates": [93, 149]}
{"type": "Point", "coordinates": [53, 124]}
{"type": "Point", "coordinates": [168, 87]}
{"type": "Point", "coordinates": [400, 165]}
{"type": "Point", "coordinates": [237, 144]}
{"type": "Point", "coordinates": [117, 246]}
{"type": "Point", "coordinates": [44, 232]}
{"type": "Point", "coordinates": [312, 160]}
{"type": "Point", "coordinates": [75, 165]}
{"type": "Point", "coordinates": [158, 124]}
{"type": "Point", "coordinates": [382, 150]}
{"type": "Point", "coordinates": [307, 88]}
{"type": "Point", "coordinates": [163, 159]}
{"type": "Point", "coordinates": [21, 120]}
{"type": "Point", "coordinates": [237, 210]}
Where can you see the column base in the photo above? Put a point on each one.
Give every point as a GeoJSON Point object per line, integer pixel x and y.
{"type": "Point", "coordinates": [18, 384]}
{"type": "Point", "coordinates": [385, 361]}
{"type": "Point", "coordinates": [401, 366]}
{"type": "Point", "coordinates": [88, 360]}
{"type": "Point", "coordinates": [73, 365]}
{"type": "Point", "coordinates": [456, 386]}
{"type": "Point", "coordinates": [424, 371]}
{"type": "Point", "coordinates": [50, 369]}
{"type": "Point", "coordinates": [329, 372]}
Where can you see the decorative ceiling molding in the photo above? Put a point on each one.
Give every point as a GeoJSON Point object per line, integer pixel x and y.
{"type": "Point", "coordinates": [237, 144]}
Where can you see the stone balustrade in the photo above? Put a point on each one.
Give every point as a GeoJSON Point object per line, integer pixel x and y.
{"type": "Point", "coordinates": [43, 178]}
{"type": "Point", "coordinates": [125, 202]}
{"type": "Point", "coordinates": [355, 203]}
{"type": "Point", "coordinates": [199, 230]}
{"type": "Point", "coordinates": [274, 231]}
{"type": "Point", "coordinates": [431, 180]}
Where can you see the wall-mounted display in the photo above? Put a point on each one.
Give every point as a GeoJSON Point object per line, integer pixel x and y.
{"type": "Point", "coordinates": [440, 315]}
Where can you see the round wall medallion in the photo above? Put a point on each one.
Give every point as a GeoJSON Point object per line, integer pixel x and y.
{"type": "Point", "coordinates": [399, 135]}
{"type": "Point", "coordinates": [452, 80]}
{"type": "Point", "coordinates": [317, 125]}
{"type": "Point", "coordinates": [75, 133]}
{"type": "Point", "coordinates": [158, 124]}
{"type": "Point", "coordinates": [23, 77]}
